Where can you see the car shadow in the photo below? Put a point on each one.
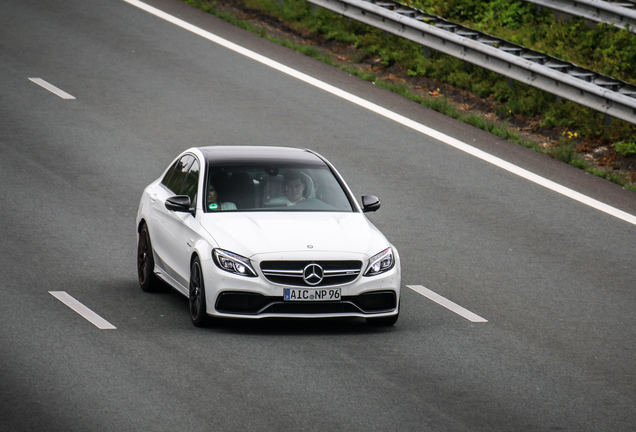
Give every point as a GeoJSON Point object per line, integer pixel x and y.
{"type": "Point", "coordinates": [296, 326]}
{"type": "Point", "coordinates": [286, 326]}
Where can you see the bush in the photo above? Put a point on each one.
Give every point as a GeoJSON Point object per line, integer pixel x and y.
{"type": "Point", "coordinates": [626, 148]}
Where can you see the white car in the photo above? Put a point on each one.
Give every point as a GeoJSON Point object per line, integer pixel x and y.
{"type": "Point", "coordinates": [258, 232]}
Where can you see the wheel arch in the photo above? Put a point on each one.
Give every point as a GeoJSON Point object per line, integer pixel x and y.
{"type": "Point", "coordinates": [195, 254]}
{"type": "Point", "coordinates": [141, 223]}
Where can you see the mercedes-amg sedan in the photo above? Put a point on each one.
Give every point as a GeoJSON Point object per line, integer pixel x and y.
{"type": "Point", "coordinates": [257, 232]}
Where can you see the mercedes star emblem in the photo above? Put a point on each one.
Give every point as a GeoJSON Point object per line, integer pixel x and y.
{"type": "Point", "coordinates": [313, 274]}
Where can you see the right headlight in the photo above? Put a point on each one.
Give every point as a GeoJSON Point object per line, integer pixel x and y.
{"type": "Point", "coordinates": [380, 263]}
{"type": "Point", "coordinates": [233, 263]}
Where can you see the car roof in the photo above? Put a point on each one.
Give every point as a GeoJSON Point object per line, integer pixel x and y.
{"type": "Point", "coordinates": [257, 155]}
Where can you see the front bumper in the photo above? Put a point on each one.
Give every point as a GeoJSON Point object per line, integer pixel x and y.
{"type": "Point", "coordinates": [233, 296]}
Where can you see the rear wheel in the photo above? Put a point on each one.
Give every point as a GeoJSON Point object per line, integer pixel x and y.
{"type": "Point", "coordinates": [146, 263]}
{"type": "Point", "coordinates": [198, 312]}
{"type": "Point", "coordinates": [383, 321]}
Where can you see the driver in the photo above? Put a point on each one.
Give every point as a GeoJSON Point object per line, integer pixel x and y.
{"type": "Point", "coordinates": [294, 188]}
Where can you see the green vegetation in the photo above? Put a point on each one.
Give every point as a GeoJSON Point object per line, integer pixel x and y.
{"type": "Point", "coordinates": [626, 148]}
{"type": "Point", "coordinates": [603, 48]}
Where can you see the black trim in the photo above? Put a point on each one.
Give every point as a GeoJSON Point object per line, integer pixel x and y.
{"type": "Point", "coordinates": [241, 302]}
{"type": "Point", "coordinates": [246, 303]}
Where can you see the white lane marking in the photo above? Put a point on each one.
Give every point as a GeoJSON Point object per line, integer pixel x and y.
{"type": "Point", "coordinates": [460, 145]}
{"type": "Point", "coordinates": [447, 303]}
{"type": "Point", "coordinates": [85, 312]}
{"type": "Point", "coordinates": [51, 88]}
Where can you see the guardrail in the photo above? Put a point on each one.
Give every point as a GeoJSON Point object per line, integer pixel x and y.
{"type": "Point", "coordinates": [619, 13]}
{"type": "Point", "coordinates": [610, 96]}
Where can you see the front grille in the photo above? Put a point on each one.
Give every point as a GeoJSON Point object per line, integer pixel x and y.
{"type": "Point", "coordinates": [291, 272]}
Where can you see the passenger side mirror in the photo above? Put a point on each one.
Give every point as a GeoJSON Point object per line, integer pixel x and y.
{"type": "Point", "coordinates": [370, 203]}
{"type": "Point", "coordinates": [179, 203]}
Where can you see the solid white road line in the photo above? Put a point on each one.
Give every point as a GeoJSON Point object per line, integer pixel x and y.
{"type": "Point", "coordinates": [447, 303]}
{"type": "Point", "coordinates": [391, 115]}
{"type": "Point", "coordinates": [91, 316]}
{"type": "Point", "coordinates": [51, 88]}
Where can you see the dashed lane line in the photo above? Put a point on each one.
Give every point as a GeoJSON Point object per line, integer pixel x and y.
{"type": "Point", "coordinates": [50, 87]}
{"type": "Point", "coordinates": [447, 303]}
{"type": "Point", "coordinates": [85, 312]}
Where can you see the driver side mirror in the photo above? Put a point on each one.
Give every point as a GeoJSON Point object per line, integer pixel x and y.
{"type": "Point", "coordinates": [180, 203]}
{"type": "Point", "coordinates": [370, 203]}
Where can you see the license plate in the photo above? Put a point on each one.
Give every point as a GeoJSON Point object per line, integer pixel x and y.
{"type": "Point", "coordinates": [304, 294]}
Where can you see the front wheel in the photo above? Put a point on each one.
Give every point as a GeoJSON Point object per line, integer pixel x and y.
{"type": "Point", "coordinates": [383, 321]}
{"type": "Point", "coordinates": [198, 312]}
{"type": "Point", "coordinates": [148, 281]}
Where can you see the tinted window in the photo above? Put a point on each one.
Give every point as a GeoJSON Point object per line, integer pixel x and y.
{"type": "Point", "coordinates": [285, 187]}
{"type": "Point", "coordinates": [177, 173]}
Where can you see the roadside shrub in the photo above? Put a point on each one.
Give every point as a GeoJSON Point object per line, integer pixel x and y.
{"type": "Point", "coordinates": [505, 13]}
{"type": "Point", "coordinates": [626, 148]}
{"type": "Point", "coordinates": [461, 79]}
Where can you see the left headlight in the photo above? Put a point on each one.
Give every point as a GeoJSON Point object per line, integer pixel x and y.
{"type": "Point", "coordinates": [233, 263]}
{"type": "Point", "coordinates": [380, 263]}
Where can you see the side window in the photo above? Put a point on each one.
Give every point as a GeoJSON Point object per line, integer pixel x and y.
{"type": "Point", "coordinates": [191, 182]}
{"type": "Point", "coordinates": [176, 175]}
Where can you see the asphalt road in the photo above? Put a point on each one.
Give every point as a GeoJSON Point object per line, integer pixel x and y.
{"type": "Point", "coordinates": [554, 278]}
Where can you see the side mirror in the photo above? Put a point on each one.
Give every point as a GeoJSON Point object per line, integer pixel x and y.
{"type": "Point", "coordinates": [179, 203]}
{"type": "Point", "coordinates": [370, 203]}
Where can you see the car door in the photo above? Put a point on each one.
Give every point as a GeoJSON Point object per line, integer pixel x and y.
{"type": "Point", "coordinates": [169, 236]}
{"type": "Point", "coordinates": [183, 226]}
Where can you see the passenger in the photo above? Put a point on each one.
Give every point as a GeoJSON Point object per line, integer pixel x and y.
{"type": "Point", "coordinates": [213, 204]}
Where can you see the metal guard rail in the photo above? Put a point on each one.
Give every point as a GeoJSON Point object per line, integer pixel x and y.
{"type": "Point", "coordinates": [618, 13]}
{"type": "Point", "coordinates": [591, 89]}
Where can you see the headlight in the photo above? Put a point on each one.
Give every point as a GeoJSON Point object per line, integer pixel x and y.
{"type": "Point", "coordinates": [233, 263]}
{"type": "Point", "coordinates": [380, 263]}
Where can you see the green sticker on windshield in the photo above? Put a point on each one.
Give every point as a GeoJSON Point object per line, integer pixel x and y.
{"type": "Point", "coordinates": [213, 206]}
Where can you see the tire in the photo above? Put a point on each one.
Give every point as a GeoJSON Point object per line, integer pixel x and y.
{"type": "Point", "coordinates": [383, 321]}
{"type": "Point", "coordinates": [148, 281]}
{"type": "Point", "coordinates": [198, 312]}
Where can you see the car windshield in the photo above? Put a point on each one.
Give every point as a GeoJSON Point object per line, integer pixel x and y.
{"type": "Point", "coordinates": [286, 187]}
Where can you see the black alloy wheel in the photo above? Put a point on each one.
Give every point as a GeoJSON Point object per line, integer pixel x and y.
{"type": "Point", "coordinates": [146, 262]}
{"type": "Point", "coordinates": [198, 312]}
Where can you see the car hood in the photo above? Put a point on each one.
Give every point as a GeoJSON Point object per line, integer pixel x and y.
{"type": "Point", "coordinates": [255, 233]}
